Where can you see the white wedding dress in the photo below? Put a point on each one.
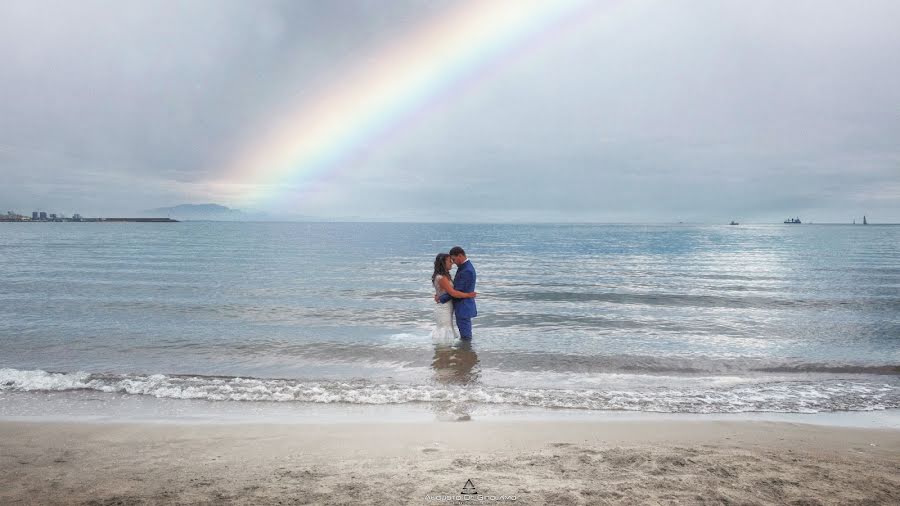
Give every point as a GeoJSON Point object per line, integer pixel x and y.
{"type": "Point", "coordinates": [445, 331]}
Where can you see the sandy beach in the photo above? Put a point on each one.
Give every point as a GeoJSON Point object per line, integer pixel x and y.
{"type": "Point", "coordinates": [523, 462]}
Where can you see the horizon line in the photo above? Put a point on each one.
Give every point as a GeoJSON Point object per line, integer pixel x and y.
{"type": "Point", "coordinates": [467, 222]}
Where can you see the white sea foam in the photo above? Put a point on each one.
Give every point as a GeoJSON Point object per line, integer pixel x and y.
{"type": "Point", "coordinates": [797, 396]}
{"type": "Point", "coordinates": [14, 379]}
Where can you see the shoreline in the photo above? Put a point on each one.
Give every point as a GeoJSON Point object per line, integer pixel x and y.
{"type": "Point", "coordinates": [538, 462]}
{"type": "Point", "coordinates": [111, 408]}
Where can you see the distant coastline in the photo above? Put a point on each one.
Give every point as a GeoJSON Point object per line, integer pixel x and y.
{"type": "Point", "coordinates": [218, 213]}
{"type": "Point", "coordinates": [18, 218]}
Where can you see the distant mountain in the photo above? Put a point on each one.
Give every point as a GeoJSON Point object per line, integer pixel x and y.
{"type": "Point", "coordinates": [204, 212]}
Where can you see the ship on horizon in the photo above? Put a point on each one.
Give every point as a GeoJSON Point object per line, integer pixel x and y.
{"type": "Point", "coordinates": [795, 221]}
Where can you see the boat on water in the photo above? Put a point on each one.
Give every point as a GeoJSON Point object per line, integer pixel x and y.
{"type": "Point", "coordinates": [795, 221]}
{"type": "Point", "coordinates": [734, 223]}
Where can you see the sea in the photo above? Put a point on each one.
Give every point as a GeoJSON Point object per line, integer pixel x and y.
{"type": "Point", "coordinates": [291, 320]}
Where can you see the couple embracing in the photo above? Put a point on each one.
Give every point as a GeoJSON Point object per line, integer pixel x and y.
{"type": "Point", "coordinates": [455, 296]}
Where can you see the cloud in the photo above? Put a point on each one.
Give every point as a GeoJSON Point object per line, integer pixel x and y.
{"type": "Point", "coordinates": [644, 111]}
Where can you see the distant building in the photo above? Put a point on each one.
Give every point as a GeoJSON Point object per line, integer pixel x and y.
{"type": "Point", "coordinates": [43, 215]}
{"type": "Point", "coordinates": [12, 216]}
{"type": "Point", "coordinates": [76, 217]}
{"type": "Point", "coordinates": [34, 215]}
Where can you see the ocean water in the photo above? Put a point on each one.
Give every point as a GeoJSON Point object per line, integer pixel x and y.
{"type": "Point", "coordinates": [641, 318]}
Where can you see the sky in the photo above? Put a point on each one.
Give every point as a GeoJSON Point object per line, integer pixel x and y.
{"type": "Point", "coordinates": [454, 111]}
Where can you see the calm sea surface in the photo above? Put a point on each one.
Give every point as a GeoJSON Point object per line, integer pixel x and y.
{"type": "Point", "coordinates": [675, 318]}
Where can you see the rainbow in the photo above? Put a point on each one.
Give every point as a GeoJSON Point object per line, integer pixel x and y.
{"type": "Point", "coordinates": [372, 101]}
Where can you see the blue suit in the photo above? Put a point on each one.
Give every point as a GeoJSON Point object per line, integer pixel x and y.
{"type": "Point", "coordinates": [464, 309]}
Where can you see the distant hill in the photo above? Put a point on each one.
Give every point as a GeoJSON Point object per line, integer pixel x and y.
{"type": "Point", "coordinates": [204, 212]}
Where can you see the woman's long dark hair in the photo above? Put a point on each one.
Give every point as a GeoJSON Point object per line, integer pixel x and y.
{"type": "Point", "coordinates": [439, 267]}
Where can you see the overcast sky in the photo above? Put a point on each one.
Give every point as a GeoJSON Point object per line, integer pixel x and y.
{"type": "Point", "coordinates": [640, 112]}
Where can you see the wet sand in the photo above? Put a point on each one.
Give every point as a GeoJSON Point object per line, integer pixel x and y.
{"type": "Point", "coordinates": [536, 462]}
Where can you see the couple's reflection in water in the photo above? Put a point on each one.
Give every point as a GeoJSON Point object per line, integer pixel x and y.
{"type": "Point", "coordinates": [455, 365]}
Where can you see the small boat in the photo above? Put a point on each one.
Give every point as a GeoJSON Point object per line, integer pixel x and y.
{"type": "Point", "coordinates": [734, 223]}
{"type": "Point", "coordinates": [794, 221]}
{"type": "Point", "coordinates": [864, 220]}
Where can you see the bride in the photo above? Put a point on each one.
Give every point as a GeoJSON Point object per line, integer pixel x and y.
{"type": "Point", "coordinates": [445, 324]}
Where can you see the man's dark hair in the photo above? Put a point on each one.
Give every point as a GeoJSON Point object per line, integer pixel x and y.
{"type": "Point", "coordinates": [456, 250]}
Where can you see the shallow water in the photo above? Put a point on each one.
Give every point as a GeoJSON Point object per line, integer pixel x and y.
{"type": "Point", "coordinates": [669, 318]}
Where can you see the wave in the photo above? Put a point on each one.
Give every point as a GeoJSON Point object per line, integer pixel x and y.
{"type": "Point", "coordinates": [405, 350]}
{"type": "Point", "coordinates": [833, 369]}
{"type": "Point", "coordinates": [776, 396]}
{"type": "Point", "coordinates": [658, 298]}
{"type": "Point", "coordinates": [646, 364]}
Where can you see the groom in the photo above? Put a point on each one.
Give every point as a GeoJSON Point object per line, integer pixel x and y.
{"type": "Point", "coordinates": [464, 282]}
